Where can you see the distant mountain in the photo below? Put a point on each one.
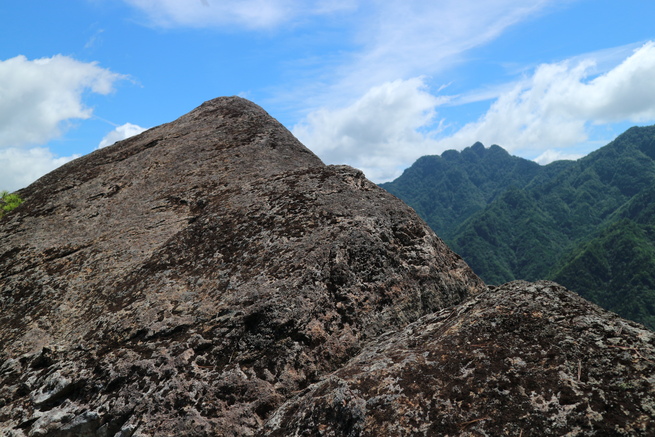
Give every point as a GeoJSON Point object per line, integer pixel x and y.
{"type": "Point", "coordinates": [212, 277]}
{"type": "Point", "coordinates": [587, 224]}
{"type": "Point", "coordinates": [447, 189]}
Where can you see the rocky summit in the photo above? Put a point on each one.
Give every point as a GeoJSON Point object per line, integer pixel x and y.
{"type": "Point", "coordinates": [212, 277]}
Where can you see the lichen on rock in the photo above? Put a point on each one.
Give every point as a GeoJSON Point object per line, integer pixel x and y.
{"type": "Point", "coordinates": [189, 280]}
{"type": "Point", "coordinates": [521, 359]}
{"type": "Point", "coordinates": [211, 276]}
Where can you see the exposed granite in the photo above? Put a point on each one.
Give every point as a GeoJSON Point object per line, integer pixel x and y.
{"type": "Point", "coordinates": [190, 280]}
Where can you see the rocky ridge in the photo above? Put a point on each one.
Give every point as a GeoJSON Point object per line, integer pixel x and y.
{"type": "Point", "coordinates": [189, 280]}
{"type": "Point", "coordinates": [521, 359]}
{"type": "Point", "coordinates": [211, 276]}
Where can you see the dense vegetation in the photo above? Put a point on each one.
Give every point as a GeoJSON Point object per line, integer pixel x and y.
{"type": "Point", "coordinates": [8, 201]}
{"type": "Point", "coordinates": [588, 224]}
{"type": "Point", "coordinates": [446, 190]}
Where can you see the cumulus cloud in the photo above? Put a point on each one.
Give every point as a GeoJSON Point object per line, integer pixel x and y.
{"type": "Point", "coordinates": [551, 155]}
{"type": "Point", "coordinates": [39, 96]}
{"type": "Point", "coordinates": [626, 92]}
{"type": "Point", "coordinates": [21, 167]}
{"type": "Point", "coordinates": [250, 14]}
{"type": "Point", "coordinates": [556, 106]}
{"type": "Point", "coordinates": [379, 133]}
{"type": "Point", "coordinates": [120, 133]}
{"type": "Point", "coordinates": [544, 116]}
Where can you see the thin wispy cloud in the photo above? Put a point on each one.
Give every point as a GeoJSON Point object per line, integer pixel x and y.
{"type": "Point", "coordinates": [406, 39]}
{"type": "Point", "coordinates": [248, 14]}
{"type": "Point", "coordinates": [95, 39]}
{"type": "Point", "coordinates": [394, 40]}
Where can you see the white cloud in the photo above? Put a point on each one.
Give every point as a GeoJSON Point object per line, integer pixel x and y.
{"type": "Point", "coordinates": [546, 115]}
{"type": "Point", "coordinates": [20, 167]}
{"type": "Point", "coordinates": [554, 108]}
{"type": "Point", "coordinates": [249, 14]}
{"type": "Point", "coordinates": [37, 100]}
{"type": "Point", "coordinates": [403, 39]}
{"type": "Point", "coordinates": [120, 133]}
{"type": "Point", "coordinates": [395, 39]}
{"type": "Point", "coordinates": [39, 96]}
{"type": "Point", "coordinates": [551, 155]}
{"type": "Point", "coordinates": [380, 133]}
{"type": "Point", "coordinates": [626, 92]}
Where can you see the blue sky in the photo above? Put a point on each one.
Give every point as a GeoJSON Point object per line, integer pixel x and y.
{"type": "Point", "coordinates": [370, 83]}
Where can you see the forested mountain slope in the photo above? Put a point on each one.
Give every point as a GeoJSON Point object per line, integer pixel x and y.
{"type": "Point", "coordinates": [587, 224]}
{"type": "Point", "coordinates": [447, 189]}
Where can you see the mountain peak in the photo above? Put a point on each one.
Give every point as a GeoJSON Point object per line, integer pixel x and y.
{"type": "Point", "coordinates": [211, 276]}
{"type": "Point", "coordinates": [447, 189]}
{"type": "Point", "coordinates": [197, 275]}
{"type": "Point", "coordinates": [478, 148]}
{"type": "Point", "coordinates": [223, 132]}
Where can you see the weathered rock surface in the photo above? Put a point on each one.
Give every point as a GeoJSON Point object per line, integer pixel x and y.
{"type": "Point", "coordinates": [211, 277]}
{"type": "Point", "coordinates": [190, 280]}
{"type": "Point", "coordinates": [522, 360]}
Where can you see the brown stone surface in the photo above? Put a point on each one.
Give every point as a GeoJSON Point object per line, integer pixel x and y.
{"type": "Point", "coordinates": [190, 280]}
{"type": "Point", "coordinates": [211, 277]}
{"type": "Point", "coordinates": [520, 360]}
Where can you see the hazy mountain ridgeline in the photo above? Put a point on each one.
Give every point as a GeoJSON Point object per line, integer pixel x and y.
{"type": "Point", "coordinates": [587, 224]}
{"type": "Point", "coordinates": [212, 277]}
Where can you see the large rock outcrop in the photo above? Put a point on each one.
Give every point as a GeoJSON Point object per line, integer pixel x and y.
{"type": "Point", "coordinates": [211, 277]}
{"type": "Point", "coordinates": [521, 360]}
{"type": "Point", "coordinates": [189, 280]}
